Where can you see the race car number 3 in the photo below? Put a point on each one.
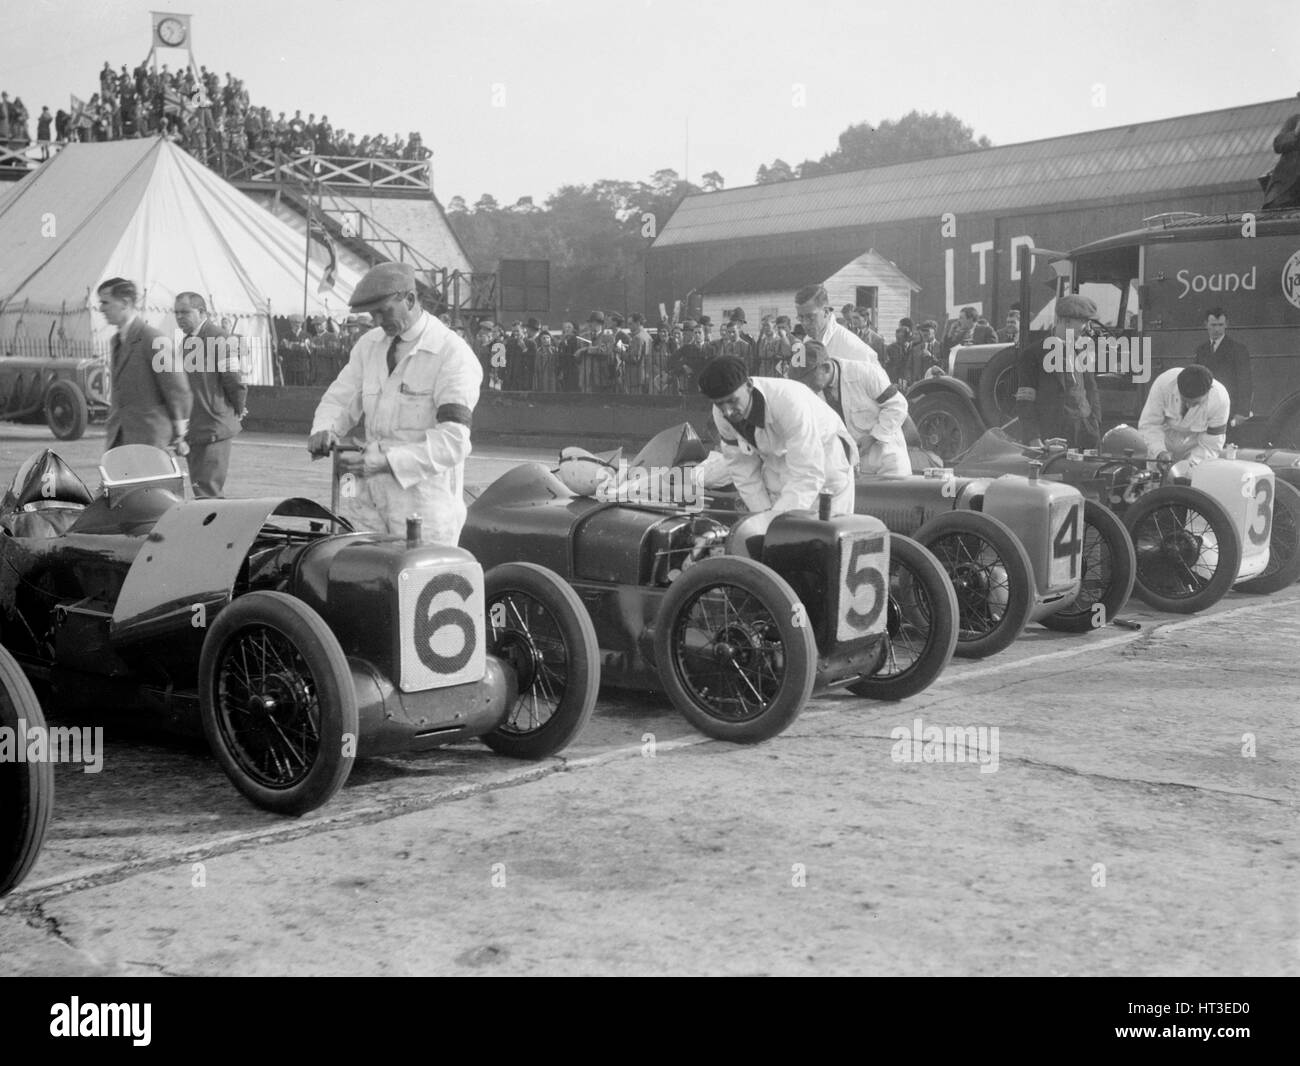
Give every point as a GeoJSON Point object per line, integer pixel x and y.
{"type": "Point", "coordinates": [863, 563]}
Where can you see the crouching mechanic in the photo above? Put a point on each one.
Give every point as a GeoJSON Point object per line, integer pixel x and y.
{"type": "Point", "coordinates": [416, 383]}
{"type": "Point", "coordinates": [871, 408]}
{"type": "Point", "coordinates": [1186, 415]}
{"type": "Point", "coordinates": [781, 446]}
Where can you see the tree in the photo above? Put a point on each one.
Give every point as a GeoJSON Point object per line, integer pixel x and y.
{"type": "Point", "coordinates": [457, 206]}
{"type": "Point", "coordinates": [778, 171]}
{"type": "Point", "coordinates": [713, 181]}
{"type": "Point", "coordinates": [914, 136]}
{"type": "Point", "coordinates": [486, 202]}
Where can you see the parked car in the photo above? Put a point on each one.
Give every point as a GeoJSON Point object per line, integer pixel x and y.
{"type": "Point", "coordinates": [67, 394]}
{"type": "Point", "coordinates": [737, 618]}
{"type": "Point", "coordinates": [295, 649]}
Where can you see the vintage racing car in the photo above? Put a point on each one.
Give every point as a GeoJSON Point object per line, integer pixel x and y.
{"type": "Point", "coordinates": [66, 393]}
{"type": "Point", "coordinates": [1010, 545]}
{"type": "Point", "coordinates": [737, 619]}
{"type": "Point", "coordinates": [1228, 523]}
{"type": "Point", "coordinates": [26, 785]}
{"type": "Point", "coordinates": [295, 648]}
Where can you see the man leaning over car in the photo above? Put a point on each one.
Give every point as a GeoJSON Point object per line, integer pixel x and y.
{"type": "Point", "coordinates": [1186, 415]}
{"type": "Point", "coordinates": [781, 446]}
{"type": "Point", "coordinates": [416, 382]}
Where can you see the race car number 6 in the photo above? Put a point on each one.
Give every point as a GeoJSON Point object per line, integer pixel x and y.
{"type": "Point", "coordinates": [865, 585]}
{"type": "Point", "coordinates": [427, 625]}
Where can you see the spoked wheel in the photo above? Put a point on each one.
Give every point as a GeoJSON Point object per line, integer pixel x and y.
{"type": "Point", "coordinates": [1188, 551]}
{"type": "Point", "coordinates": [734, 649]}
{"type": "Point", "coordinates": [278, 703]}
{"type": "Point", "coordinates": [66, 411]}
{"type": "Point", "coordinates": [26, 788]}
{"type": "Point", "coordinates": [1107, 579]}
{"type": "Point", "coordinates": [921, 633]}
{"type": "Point", "coordinates": [1283, 543]}
{"type": "Point", "coordinates": [991, 574]}
{"type": "Point", "coordinates": [997, 387]}
{"type": "Point", "coordinates": [539, 626]}
{"type": "Point", "coordinates": [946, 424]}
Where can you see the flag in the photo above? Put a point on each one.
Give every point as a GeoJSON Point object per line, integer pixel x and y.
{"type": "Point", "coordinates": [315, 229]}
{"type": "Point", "coordinates": [78, 117]}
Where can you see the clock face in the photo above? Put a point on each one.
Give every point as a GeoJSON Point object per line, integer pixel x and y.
{"type": "Point", "coordinates": [171, 31]}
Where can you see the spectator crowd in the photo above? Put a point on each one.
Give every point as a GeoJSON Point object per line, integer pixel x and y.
{"type": "Point", "coordinates": [611, 354]}
{"type": "Point", "coordinates": [209, 118]}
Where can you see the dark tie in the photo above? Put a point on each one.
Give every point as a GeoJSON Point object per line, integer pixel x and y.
{"type": "Point", "coordinates": [392, 352]}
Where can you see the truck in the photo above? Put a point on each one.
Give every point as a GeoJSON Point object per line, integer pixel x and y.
{"type": "Point", "coordinates": [1153, 287]}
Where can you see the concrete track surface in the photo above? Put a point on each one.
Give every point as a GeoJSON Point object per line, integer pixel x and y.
{"type": "Point", "coordinates": [1140, 818]}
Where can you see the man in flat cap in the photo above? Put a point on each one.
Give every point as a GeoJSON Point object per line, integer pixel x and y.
{"type": "Point", "coordinates": [818, 318]}
{"type": "Point", "coordinates": [781, 445]}
{"type": "Point", "coordinates": [871, 408]}
{"type": "Point", "coordinates": [1055, 397]}
{"type": "Point", "coordinates": [1186, 415]}
{"type": "Point", "coordinates": [416, 382]}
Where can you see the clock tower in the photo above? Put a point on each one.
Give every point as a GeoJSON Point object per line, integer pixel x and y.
{"type": "Point", "coordinates": [171, 29]}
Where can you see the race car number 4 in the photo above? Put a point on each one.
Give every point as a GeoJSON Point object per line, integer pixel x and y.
{"type": "Point", "coordinates": [441, 627]}
{"type": "Point", "coordinates": [863, 562]}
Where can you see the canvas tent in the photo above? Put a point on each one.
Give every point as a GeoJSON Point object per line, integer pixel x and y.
{"type": "Point", "coordinates": [147, 211]}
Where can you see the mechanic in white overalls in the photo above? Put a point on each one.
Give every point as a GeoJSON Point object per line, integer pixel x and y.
{"type": "Point", "coordinates": [416, 382]}
{"type": "Point", "coordinates": [873, 410]}
{"type": "Point", "coordinates": [1186, 415]}
{"type": "Point", "coordinates": [782, 446]}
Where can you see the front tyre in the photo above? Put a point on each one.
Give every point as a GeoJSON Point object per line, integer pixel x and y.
{"type": "Point", "coordinates": [921, 634]}
{"type": "Point", "coordinates": [278, 705]}
{"type": "Point", "coordinates": [539, 626]}
{"type": "Point", "coordinates": [1108, 567]}
{"type": "Point", "coordinates": [1283, 543]}
{"type": "Point", "coordinates": [734, 651]}
{"type": "Point", "coordinates": [26, 788]}
{"type": "Point", "coordinates": [1188, 551]}
{"type": "Point", "coordinates": [991, 573]}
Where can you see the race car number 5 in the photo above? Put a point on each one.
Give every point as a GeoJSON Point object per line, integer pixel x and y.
{"type": "Point", "coordinates": [862, 598]}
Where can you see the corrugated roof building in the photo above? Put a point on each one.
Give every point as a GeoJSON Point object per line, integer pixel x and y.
{"type": "Point", "coordinates": [1057, 192]}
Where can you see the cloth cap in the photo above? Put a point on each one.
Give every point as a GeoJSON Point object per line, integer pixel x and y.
{"type": "Point", "coordinates": [722, 376]}
{"type": "Point", "coordinates": [1194, 381]}
{"type": "Point", "coordinates": [381, 282]}
{"type": "Point", "coordinates": [814, 355]}
{"type": "Point", "coordinates": [1075, 307]}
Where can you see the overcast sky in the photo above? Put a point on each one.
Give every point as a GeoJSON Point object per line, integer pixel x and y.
{"type": "Point", "coordinates": [517, 97]}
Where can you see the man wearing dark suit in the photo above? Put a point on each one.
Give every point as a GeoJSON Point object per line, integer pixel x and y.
{"type": "Point", "coordinates": [211, 361]}
{"type": "Point", "coordinates": [150, 395]}
{"type": "Point", "coordinates": [1229, 362]}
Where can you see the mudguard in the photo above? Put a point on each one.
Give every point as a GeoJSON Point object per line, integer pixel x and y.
{"type": "Point", "coordinates": [192, 556]}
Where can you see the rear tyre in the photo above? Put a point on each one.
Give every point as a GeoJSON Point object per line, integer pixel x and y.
{"type": "Point", "coordinates": [730, 651]}
{"type": "Point", "coordinates": [991, 574]}
{"type": "Point", "coordinates": [1187, 550]}
{"type": "Point", "coordinates": [946, 424]}
{"type": "Point", "coordinates": [66, 411]}
{"type": "Point", "coordinates": [921, 633]}
{"type": "Point", "coordinates": [539, 626]}
{"type": "Point", "coordinates": [26, 788]}
{"type": "Point", "coordinates": [1283, 543]}
{"type": "Point", "coordinates": [1107, 578]}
